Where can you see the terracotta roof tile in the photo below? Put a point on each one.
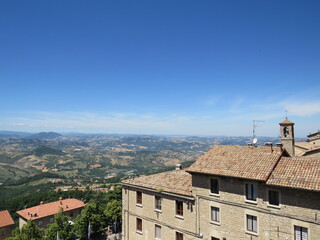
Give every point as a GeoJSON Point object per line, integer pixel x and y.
{"type": "Point", "coordinates": [302, 173]}
{"type": "Point", "coordinates": [238, 161]}
{"type": "Point", "coordinates": [177, 181]}
{"type": "Point", "coordinates": [48, 209]}
{"type": "Point", "coordinates": [305, 148]}
{"type": "Point", "coordinates": [286, 121]}
{"type": "Point", "coordinates": [5, 219]}
{"type": "Point", "coordinates": [304, 145]}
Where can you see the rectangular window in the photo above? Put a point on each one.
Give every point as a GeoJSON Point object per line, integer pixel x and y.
{"type": "Point", "coordinates": [215, 214]}
{"type": "Point", "coordinates": [158, 232]}
{"type": "Point", "coordinates": [274, 198]}
{"type": "Point", "coordinates": [252, 225]}
{"type": "Point", "coordinates": [139, 225]}
{"type": "Point", "coordinates": [213, 238]}
{"type": "Point", "coordinates": [214, 186]}
{"type": "Point", "coordinates": [179, 208]}
{"type": "Point", "coordinates": [251, 192]}
{"type": "Point", "coordinates": [157, 203]}
{"type": "Point", "coordinates": [40, 223]}
{"type": "Point", "coordinates": [300, 233]}
{"type": "Point", "coordinates": [139, 198]}
{"type": "Point", "coordinates": [179, 236]}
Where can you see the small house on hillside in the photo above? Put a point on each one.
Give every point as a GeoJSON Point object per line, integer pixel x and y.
{"type": "Point", "coordinates": [43, 214]}
{"type": "Point", "coordinates": [6, 224]}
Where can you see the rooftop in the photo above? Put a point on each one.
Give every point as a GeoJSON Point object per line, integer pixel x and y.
{"type": "Point", "coordinates": [286, 121]}
{"type": "Point", "coordinates": [314, 134]}
{"type": "Point", "coordinates": [5, 219]}
{"type": "Point", "coordinates": [297, 172]}
{"type": "Point", "coordinates": [305, 148]}
{"type": "Point", "coordinates": [177, 181]}
{"type": "Point", "coordinates": [48, 209]}
{"type": "Point", "coordinates": [246, 162]}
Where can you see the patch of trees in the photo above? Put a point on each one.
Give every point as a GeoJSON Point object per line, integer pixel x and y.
{"type": "Point", "coordinates": [44, 150]}
{"type": "Point", "coordinates": [103, 210]}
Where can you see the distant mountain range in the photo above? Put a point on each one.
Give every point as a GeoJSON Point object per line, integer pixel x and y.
{"type": "Point", "coordinates": [44, 136]}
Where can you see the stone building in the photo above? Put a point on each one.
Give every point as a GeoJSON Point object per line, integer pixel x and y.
{"type": "Point", "coordinates": [6, 224]}
{"type": "Point", "coordinates": [43, 214]}
{"type": "Point", "coordinates": [230, 193]}
{"type": "Point", "coordinates": [310, 148]}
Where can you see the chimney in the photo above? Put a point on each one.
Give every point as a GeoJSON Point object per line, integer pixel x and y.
{"type": "Point", "coordinates": [41, 202]}
{"type": "Point", "coordinates": [249, 144]}
{"type": "Point", "coordinates": [280, 146]}
{"type": "Point", "coordinates": [60, 198]}
{"type": "Point", "coordinates": [178, 167]}
{"type": "Point", "coordinates": [269, 144]}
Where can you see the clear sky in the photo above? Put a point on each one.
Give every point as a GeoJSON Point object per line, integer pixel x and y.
{"type": "Point", "coordinates": [200, 67]}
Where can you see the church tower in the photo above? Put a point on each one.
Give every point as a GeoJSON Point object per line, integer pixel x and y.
{"type": "Point", "coordinates": [287, 136]}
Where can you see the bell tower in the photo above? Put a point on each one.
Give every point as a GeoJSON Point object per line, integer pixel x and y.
{"type": "Point", "coordinates": [287, 136]}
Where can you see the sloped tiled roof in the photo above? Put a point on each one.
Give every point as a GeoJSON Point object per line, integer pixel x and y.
{"type": "Point", "coordinates": [286, 121]}
{"type": "Point", "coordinates": [247, 162]}
{"type": "Point", "coordinates": [314, 134]}
{"type": "Point", "coordinates": [5, 219]}
{"type": "Point", "coordinates": [48, 209]}
{"type": "Point", "coordinates": [304, 145]}
{"type": "Point", "coordinates": [302, 173]}
{"type": "Point", "coordinates": [177, 181]}
{"type": "Point", "coordinates": [305, 148]}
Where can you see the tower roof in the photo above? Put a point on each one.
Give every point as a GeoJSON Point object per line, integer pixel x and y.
{"type": "Point", "coordinates": [286, 121]}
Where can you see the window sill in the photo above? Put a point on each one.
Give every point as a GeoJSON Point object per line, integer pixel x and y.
{"type": "Point", "coordinates": [274, 206]}
{"type": "Point", "coordinates": [158, 211]}
{"type": "Point", "coordinates": [139, 205]}
{"type": "Point", "coordinates": [139, 232]}
{"type": "Point", "coordinates": [215, 223]}
{"type": "Point", "coordinates": [251, 201]}
{"type": "Point", "coordinates": [215, 194]}
{"type": "Point", "coordinates": [252, 233]}
{"type": "Point", "coordinates": [179, 217]}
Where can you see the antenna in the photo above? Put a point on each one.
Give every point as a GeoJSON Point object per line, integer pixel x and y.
{"type": "Point", "coordinates": [286, 114]}
{"type": "Point", "coordinates": [254, 138]}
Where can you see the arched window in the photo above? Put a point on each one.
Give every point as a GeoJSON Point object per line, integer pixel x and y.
{"type": "Point", "coordinates": [286, 132]}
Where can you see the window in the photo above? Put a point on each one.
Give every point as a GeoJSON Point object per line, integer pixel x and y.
{"type": "Point", "coordinates": [139, 198]}
{"type": "Point", "coordinates": [179, 208]}
{"type": "Point", "coordinates": [251, 192]}
{"type": "Point", "coordinates": [179, 236]}
{"type": "Point", "coordinates": [139, 225]}
{"type": "Point", "coordinates": [158, 232]}
{"type": "Point", "coordinates": [213, 238]}
{"type": "Point", "coordinates": [274, 198]}
{"type": "Point", "coordinates": [157, 203]}
{"type": "Point", "coordinates": [252, 223]}
{"type": "Point", "coordinates": [214, 186]}
{"type": "Point", "coordinates": [300, 233]}
{"type": "Point", "coordinates": [71, 213]}
{"type": "Point", "coordinates": [40, 223]}
{"type": "Point", "coordinates": [51, 220]}
{"type": "Point", "coordinates": [215, 214]}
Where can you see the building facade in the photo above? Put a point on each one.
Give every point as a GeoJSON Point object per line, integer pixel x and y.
{"type": "Point", "coordinates": [230, 193]}
{"type": "Point", "coordinates": [6, 224]}
{"type": "Point", "coordinates": [43, 214]}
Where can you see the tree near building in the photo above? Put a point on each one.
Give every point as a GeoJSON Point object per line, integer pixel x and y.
{"type": "Point", "coordinates": [29, 231]}
{"type": "Point", "coordinates": [62, 227]}
{"type": "Point", "coordinates": [90, 213]}
{"type": "Point", "coordinates": [113, 211]}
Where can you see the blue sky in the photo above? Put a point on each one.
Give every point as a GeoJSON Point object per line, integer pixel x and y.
{"type": "Point", "coordinates": [159, 67]}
